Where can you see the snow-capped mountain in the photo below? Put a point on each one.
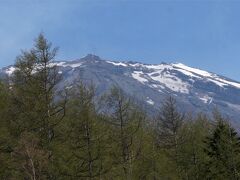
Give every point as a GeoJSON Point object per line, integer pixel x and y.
{"type": "Point", "coordinates": [195, 90]}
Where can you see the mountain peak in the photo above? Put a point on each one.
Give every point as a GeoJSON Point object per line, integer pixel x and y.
{"type": "Point", "coordinates": [91, 57]}
{"type": "Point", "coordinates": [195, 89]}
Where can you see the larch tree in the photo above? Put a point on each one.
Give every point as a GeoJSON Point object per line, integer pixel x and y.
{"type": "Point", "coordinates": [85, 136]}
{"type": "Point", "coordinates": [34, 91]}
{"type": "Point", "coordinates": [169, 132]}
{"type": "Point", "coordinates": [194, 159]}
{"type": "Point", "coordinates": [125, 120]}
{"type": "Point", "coordinates": [35, 106]}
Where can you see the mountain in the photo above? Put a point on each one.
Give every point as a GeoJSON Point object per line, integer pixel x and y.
{"type": "Point", "coordinates": [195, 90]}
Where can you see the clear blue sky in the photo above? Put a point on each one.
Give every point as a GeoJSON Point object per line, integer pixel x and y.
{"type": "Point", "coordinates": [199, 33]}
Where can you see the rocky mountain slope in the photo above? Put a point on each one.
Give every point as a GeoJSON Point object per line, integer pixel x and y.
{"type": "Point", "coordinates": [195, 90]}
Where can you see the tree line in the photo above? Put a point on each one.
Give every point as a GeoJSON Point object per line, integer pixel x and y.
{"type": "Point", "coordinates": [47, 133]}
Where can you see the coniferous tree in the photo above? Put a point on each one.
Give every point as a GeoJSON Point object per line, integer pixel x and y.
{"type": "Point", "coordinates": [85, 138]}
{"type": "Point", "coordinates": [43, 136]}
{"type": "Point", "coordinates": [34, 90]}
{"type": "Point", "coordinates": [34, 108]}
{"type": "Point", "coordinates": [223, 151]}
{"type": "Point", "coordinates": [193, 156]}
{"type": "Point", "coordinates": [151, 162]}
{"type": "Point", "coordinates": [125, 120]}
{"type": "Point", "coordinates": [6, 168]}
{"type": "Point", "coordinates": [169, 132]}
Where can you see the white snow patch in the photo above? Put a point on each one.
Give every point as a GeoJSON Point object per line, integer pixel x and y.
{"type": "Point", "coordinates": [219, 83]}
{"type": "Point", "coordinates": [150, 101]}
{"type": "Point", "coordinates": [69, 87]}
{"type": "Point", "coordinates": [74, 65]}
{"type": "Point", "coordinates": [206, 99]}
{"type": "Point", "coordinates": [209, 76]}
{"type": "Point", "coordinates": [138, 76]}
{"type": "Point", "coordinates": [235, 84]}
{"type": "Point", "coordinates": [188, 73]}
{"type": "Point", "coordinates": [194, 70]}
{"type": "Point", "coordinates": [117, 63]}
{"type": "Point", "coordinates": [162, 80]}
{"type": "Point", "coordinates": [171, 82]}
{"type": "Point", "coordinates": [157, 86]}
{"type": "Point", "coordinates": [10, 71]}
{"type": "Point", "coordinates": [66, 64]}
{"type": "Point", "coordinates": [158, 67]}
{"type": "Point", "coordinates": [57, 64]}
{"type": "Point", "coordinates": [152, 66]}
{"type": "Point", "coordinates": [135, 65]}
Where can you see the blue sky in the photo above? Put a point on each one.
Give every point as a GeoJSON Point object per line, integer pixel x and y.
{"type": "Point", "coordinates": [199, 33]}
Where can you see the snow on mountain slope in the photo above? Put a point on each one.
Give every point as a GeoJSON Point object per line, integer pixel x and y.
{"type": "Point", "coordinates": [9, 71]}
{"type": "Point", "coordinates": [195, 89]}
{"type": "Point", "coordinates": [212, 77]}
{"type": "Point", "coordinates": [161, 74]}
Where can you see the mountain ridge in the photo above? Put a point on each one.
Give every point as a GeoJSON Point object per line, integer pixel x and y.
{"type": "Point", "coordinates": [195, 90]}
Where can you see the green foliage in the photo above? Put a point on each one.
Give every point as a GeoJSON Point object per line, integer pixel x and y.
{"type": "Point", "coordinates": [32, 106]}
{"type": "Point", "coordinates": [33, 89]}
{"type": "Point", "coordinates": [44, 135]}
{"type": "Point", "coordinates": [169, 133]}
{"type": "Point", "coordinates": [85, 144]}
{"type": "Point", "coordinates": [32, 157]}
{"type": "Point", "coordinates": [223, 151]}
{"type": "Point", "coordinates": [5, 140]}
{"type": "Point", "coordinates": [193, 158]}
{"type": "Point", "coordinates": [125, 121]}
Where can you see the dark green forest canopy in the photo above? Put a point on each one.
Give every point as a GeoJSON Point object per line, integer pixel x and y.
{"type": "Point", "coordinates": [71, 138]}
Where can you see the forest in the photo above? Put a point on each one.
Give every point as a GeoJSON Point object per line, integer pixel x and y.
{"type": "Point", "coordinates": [70, 134]}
